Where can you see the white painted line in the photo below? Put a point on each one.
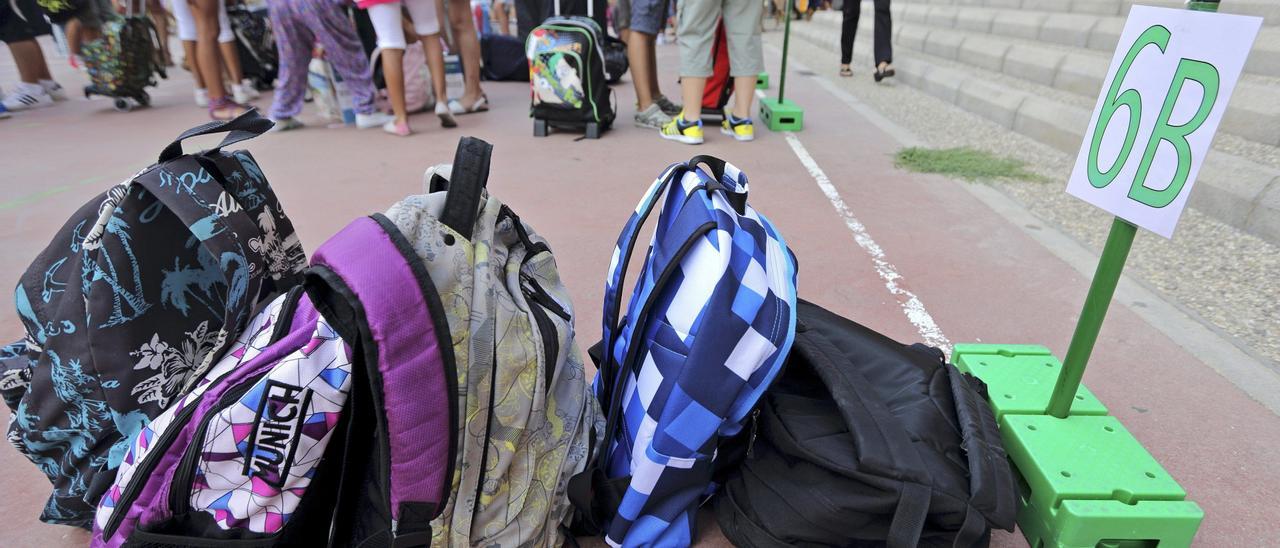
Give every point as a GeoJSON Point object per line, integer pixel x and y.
{"type": "Point", "coordinates": [911, 304]}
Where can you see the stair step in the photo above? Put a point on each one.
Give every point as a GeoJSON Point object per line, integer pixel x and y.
{"type": "Point", "coordinates": [1269, 10]}
{"type": "Point", "coordinates": [1254, 112]}
{"type": "Point", "coordinates": [1233, 189]}
{"type": "Point", "coordinates": [1083, 30]}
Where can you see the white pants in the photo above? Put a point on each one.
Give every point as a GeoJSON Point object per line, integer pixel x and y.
{"type": "Point", "coordinates": [387, 22]}
{"type": "Point", "coordinates": [187, 21]}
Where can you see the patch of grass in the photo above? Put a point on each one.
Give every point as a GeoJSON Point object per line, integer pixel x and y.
{"type": "Point", "coordinates": [964, 163]}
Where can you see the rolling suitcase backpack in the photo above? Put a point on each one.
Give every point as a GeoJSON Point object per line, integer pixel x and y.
{"type": "Point", "coordinates": [567, 75]}
{"type": "Point", "coordinates": [138, 294]}
{"type": "Point", "coordinates": [331, 423]}
{"type": "Point", "coordinates": [124, 62]}
{"type": "Point", "coordinates": [255, 43]}
{"type": "Point", "coordinates": [863, 441]}
{"type": "Point", "coordinates": [706, 330]}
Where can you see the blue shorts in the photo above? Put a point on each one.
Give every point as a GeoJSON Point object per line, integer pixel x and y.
{"type": "Point", "coordinates": [648, 16]}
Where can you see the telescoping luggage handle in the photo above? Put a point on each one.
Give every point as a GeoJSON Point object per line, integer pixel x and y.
{"type": "Point", "coordinates": [242, 127]}
{"type": "Point", "coordinates": [591, 8]}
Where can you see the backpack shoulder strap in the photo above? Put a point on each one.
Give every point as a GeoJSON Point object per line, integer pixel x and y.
{"type": "Point", "coordinates": [371, 286]}
{"type": "Point", "coordinates": [992, 487]}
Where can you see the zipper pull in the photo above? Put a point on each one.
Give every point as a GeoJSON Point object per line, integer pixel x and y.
{"type": "Point", "coordinates": [751, 441]}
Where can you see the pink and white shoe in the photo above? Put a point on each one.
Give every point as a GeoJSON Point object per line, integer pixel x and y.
{"type": "Point", "coordinates": [400, 129]}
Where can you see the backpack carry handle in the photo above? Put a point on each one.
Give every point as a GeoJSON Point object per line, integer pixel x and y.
{"type": "Point", "coordinates": [727, 178]}
{"type": "Point", "coordinates": [242, 127]}
{"type": "Point", "coordinates": [466, 185]}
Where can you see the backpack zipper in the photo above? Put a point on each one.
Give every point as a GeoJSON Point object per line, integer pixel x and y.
{"type": "Point", "coordinates": [751, 441]}
{"type": "Point", "coordinates": [180, 499]}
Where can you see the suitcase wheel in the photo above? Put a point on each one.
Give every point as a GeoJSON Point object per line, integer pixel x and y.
{"type": "Point", "coordinates": [122, 104]}
{"type": "Point", "coordinates": [593, 130]}
{"type": "Point", "coordinates": [143, 98]}
{"type": "Point", "coordinates": [539, 128]}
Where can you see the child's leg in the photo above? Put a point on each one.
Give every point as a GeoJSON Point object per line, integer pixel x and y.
{"type": "Point", "coordinates": [435, 64]}
{"type": "Point", "coordinates": [746, 51]}
{"type": "Point", "coordinates": [337, 35]}
{"type": "Point", "coordinates": [294, 40]}
{"type": "Point", "coordinates": [74, 36]}
{"type": "Point", "coordinates": [160, 18]}
{"type": "Point", "coordinates": [193, 64]}
{"type": "Point", "coordinates": [227, 45]}
{"type": "Point", "coordinates": [386, 21]}
{"type": "Point", "coordinates": [426, 23]}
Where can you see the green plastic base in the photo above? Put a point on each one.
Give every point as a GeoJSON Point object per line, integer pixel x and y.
{"type": "Point", "coordinates": [1086, 481]}
{"type": "Point", "coordinates": [1020, 378]}
{"type": "Point", "coordinates": [781, 116]}
{"type": "Point", "coordinates": [762, 80]}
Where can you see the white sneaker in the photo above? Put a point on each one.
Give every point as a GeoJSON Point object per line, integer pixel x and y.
{"type": "Point", "coordinates": [27, 96]}
{"type": "Point", "coordinates": [286, 124]}
{"type": "Point", "coordinates": [373, 120]}
{"type": "Point", "coordinates": [202, 98]}
{"type": "Point", "coordinates": [54, 89]}
{"type": "Point", "coordinates": [244, 92]}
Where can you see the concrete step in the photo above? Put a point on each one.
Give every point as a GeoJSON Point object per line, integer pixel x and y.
{"type": "Point", "coordinates": [1235, 190]}
{"type": "Point", "coordinates": [1083, 30]}
{"type": "Point", "coordinates": [1254, 112]}
{"type": "Point", "coordinates": [1269, 10]}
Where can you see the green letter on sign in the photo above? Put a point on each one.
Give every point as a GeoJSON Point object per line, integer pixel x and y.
{"type": "Point", "coordinates": [1159, 36]}
{"type": "Point", "coordinates": [1207, 76]}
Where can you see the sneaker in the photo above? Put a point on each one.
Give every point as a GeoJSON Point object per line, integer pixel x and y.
{"type": "Point", "coordinates": [445, 112]}
{"type": "Point", "coordinates": [286, 124]}
{"type": "Point", "coordinates": [202, 97]}
{"type": "Point", "coordinates": [689, 133]}
{"type": "Point", "coordinates": [668, 108]}
{"type": "Point", "coordinates": [397, 128]}
{"type": "Point", "coordinates": [739, 128]}
{"type": "Point", "coordinates": [4, 113]}
{"type": "Point", "coordinates": [27, 96]}
{"type": "Point", "coordinates": [244, 91]}
{"type": "Point", "coordinates": [652, 117]}
{"type": "Point", "coordinates": [373, 119]}
{"type": "Point", "coordinates": [54, 89]}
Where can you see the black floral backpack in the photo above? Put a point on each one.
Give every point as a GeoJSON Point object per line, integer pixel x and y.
{"type": "Point", "coordinates": [139, 292]}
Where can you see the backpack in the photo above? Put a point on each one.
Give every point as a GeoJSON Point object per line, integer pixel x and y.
{"type": "Point", "coordinates": [503, 58]}
{"type": "Point", "coordinates": [126, 59]}
{"type": "Point", "coordinates": [525, 412]}
{"type": "Point", "coordinates": [255, 43]}
{"type": "Point", "coordinates": [418, 96]}
{"type": "Point", "coordinates": [706, 330]}
{"type": "Point", "coordinates": [567, 75]}
{"type": "Point", "coordinates": [719, 86]}
{"type": "Point", "coordinates": [142, 289]}
{"type": "Point", "coordinates": [863, 441]}
{"type": "Point", "coordinates": [331, 423]}
{"type": "Point", "coordinates": [615, 59]}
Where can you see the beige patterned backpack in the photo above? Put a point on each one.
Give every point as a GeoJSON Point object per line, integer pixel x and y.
{"type": "Point", "coordinates": [524, 408]}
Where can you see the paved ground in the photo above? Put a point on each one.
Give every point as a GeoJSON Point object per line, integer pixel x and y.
{"type": "Point", "coordinates": [979, 276]}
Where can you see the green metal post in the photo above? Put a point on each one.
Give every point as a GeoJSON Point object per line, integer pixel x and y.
{"type": "Point", "coordinates": [786, 41]}
{"type": "Point", "coordinates": [1203, 5]}
{"type": "Point", "coordinates": [1110, 265]}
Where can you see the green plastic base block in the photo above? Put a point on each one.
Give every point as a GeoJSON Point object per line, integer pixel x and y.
{"type": "Point", "coordinates": [762, 80]}
{"type": "Point", "coordinates": [1086, 481]}
{"type": "Point", "coordinates": [1020, 378]}
{"type": "Point", "coordinates": [781, 116]}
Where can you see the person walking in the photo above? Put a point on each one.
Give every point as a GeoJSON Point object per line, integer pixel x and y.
{"type": "Point", "coordinates": [388, 25]}
{"type": "Point", "coordinates": [242, 90]}
{"type": "Point", "coordinates": [647, 17]}
{"type": "Point", "coordinates": [883, 60]}
{"type": "Point", "coordinates": [467, 43]}
{"type": "Point", "coordinates": [696, 30]}
{"type": "Point", "coordinates": [298, 25]}
{"type": "Point", "coordinates": [210, 57]}
{"type": "Point", "coordinates": [21, 21]}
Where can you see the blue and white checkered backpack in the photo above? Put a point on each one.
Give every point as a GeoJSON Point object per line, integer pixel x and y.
{"type": "Point", "coordinates": [709, 324]}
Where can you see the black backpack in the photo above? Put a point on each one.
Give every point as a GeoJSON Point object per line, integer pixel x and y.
{"type": "Point", "coordinates": [142, 289]}
{"type": "Point", "coordinates": [503, 58]}
{"type": "Point", "coordinates": [863, 441]}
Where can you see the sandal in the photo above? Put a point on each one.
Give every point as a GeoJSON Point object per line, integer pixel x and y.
{"type": "Point", "coordinates": [845, 71]}
{"type": "Point", "coordinates": [481, 105]}
{"type": "Point", "coordinates": [882, 73]}
{"type": "Point", "coordinates": [220, 107]}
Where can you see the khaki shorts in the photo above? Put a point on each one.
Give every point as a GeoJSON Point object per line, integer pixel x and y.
{"type": "Point", "coordinates": [696, 32]}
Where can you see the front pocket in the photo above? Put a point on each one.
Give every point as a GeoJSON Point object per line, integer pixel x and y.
{"type": "Point", "coordinates": [254, 458]}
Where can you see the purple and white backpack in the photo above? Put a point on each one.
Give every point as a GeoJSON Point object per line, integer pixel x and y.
{"type": "Point", "coordinates": [288, 440]}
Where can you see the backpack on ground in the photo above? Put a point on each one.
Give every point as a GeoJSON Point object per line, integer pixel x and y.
{"type": "Point", "coordinates": [124, 62]}
{"type": "Point", "coordinates": [525, 411]}
{"type": "Point", "coordinates": [567, 75]}
{"type": "Point", "coordinates": [706, 330]}
{"type": "Point", "coordinates": [331, 423]}
{"type": "Point", "coordinates": [138, 294]}
{"type": "Point", "coordinates": [418, 95]}
{"type": "Point", "coordinates": [615, 59]}
{"type": "Point", "coordinates": [256, 44]}
{"type": "Point", "coordinates": [865, 441]}
{"type": "Point", "coordinates": [503, 58]}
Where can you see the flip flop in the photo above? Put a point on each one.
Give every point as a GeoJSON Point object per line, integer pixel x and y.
{"type": "Point", "coordinates": [481, 105]}
{"type": "Point", "coordinates": [846, 72]}
{"type": "Point", "coordinates": [226, 105]}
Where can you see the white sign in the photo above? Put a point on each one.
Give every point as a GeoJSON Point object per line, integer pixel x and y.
{"type": "Point", "coordinates": [1169, 82]}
